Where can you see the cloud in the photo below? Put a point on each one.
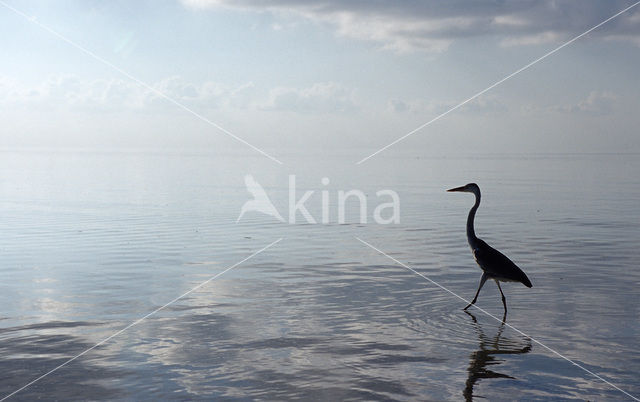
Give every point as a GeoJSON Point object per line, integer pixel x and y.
{"type": "Point", "coordinates": [635, 39]}
{"type": "Point", "coordinates": [103, 95]}
{"type": "Point", "coordinates": [116, 95]}
{"type": "Point", "coordinates": [596, 104]}
{"type": "Point", "coordinates": [481, 105]}
{"type": "Point", "coordinates": [535, 39]}
{"type": "Point", "coordinates": [405, 26]}
{"type": "Point", "coordinates": [322, 97]}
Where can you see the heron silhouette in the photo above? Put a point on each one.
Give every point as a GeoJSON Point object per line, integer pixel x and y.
{"type": "Point", "coordinates": [494, 264]}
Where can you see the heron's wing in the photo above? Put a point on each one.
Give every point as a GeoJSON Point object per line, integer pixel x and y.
{"type": "Point", "coordinates": [498, 265]}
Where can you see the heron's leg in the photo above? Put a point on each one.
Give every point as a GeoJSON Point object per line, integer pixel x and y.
{"type": "Point", "coordinates": [504, 299]}
{"type": "Point", "coordinates": [482, 281]}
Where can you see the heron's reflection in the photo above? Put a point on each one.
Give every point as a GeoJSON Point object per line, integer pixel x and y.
{"type": "Point", "coordinates": [484, 356]}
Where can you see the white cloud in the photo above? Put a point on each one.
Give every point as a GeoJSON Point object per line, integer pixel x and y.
{"type": "Point", "coordinates": [596, 104]}
{"type": "Point", "coordinates": [481, 105]}
{"type": "Point", "coordinates": [103, 95]}
{"type": "Point", "coordinates": [635, 39]}
{"type": "Point", "coordinates": [322, 97]}
{"type": "Point", "coordinates": [116, 95]}
{"type": "Point", "coordinates": [535, 39]}
{"type": "Point", "coordinates": [433, 25]}
{"type": "Point", "coordinates": [404, 37]}
{"type": "Point", "coordinates": [510, 21]}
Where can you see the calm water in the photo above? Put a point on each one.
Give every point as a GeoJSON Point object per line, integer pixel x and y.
{"type": "Point", "coordinates": [90, 242]}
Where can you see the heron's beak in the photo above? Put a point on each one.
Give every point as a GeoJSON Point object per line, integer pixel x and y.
{"type": "Point", "coordinates": [457, 189]}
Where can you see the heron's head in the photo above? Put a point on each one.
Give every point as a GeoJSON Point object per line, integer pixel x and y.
{"type": "Point", "coordinates": [469, 188]}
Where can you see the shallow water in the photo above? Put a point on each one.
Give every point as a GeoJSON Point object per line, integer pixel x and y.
{"type": "Point", "coordinates": [92, 241]}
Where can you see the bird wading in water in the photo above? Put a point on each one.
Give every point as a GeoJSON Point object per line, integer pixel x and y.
{"type": "Point", "coordinates": [494, 264]}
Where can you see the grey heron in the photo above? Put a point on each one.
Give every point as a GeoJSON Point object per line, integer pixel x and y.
{"type": "Point", "coordinates": [494, 264]}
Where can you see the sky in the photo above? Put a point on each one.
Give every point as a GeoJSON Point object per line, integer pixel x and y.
{"type": "Point", "coordinates": [321, 76]}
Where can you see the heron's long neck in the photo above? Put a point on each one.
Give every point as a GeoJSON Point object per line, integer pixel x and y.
{"type": "Point", "coordinates": [471, 234]}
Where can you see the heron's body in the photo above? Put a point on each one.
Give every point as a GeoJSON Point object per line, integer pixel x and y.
{"type": "Point", "coordinates": [493, 263]}
{"type": "Point", "coordinates": [497, 265]}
